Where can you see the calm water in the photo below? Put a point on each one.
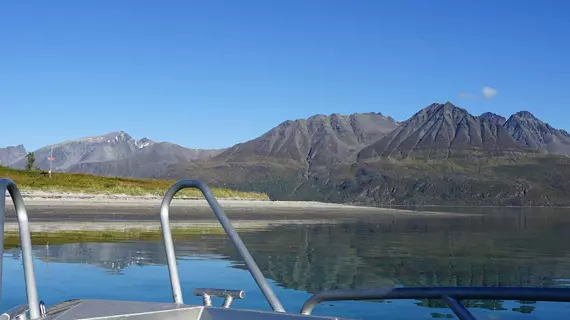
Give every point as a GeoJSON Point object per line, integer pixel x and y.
{"type": "Point", "coordinates": [505, 248]}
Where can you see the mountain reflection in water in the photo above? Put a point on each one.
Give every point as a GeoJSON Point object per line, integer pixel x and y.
{"type": "Point", "coordinates": [503, 249]}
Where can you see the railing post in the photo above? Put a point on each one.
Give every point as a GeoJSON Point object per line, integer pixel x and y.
{"type": "Point", "coordinates": [459, 309]}
{"type": "Point", "coordinates": [25, 243]}
{"type": "Point", "coordinates": [232, 234]}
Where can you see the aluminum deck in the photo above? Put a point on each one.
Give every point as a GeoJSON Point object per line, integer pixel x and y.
{"type": "Point", "coordinates": [105, 309]}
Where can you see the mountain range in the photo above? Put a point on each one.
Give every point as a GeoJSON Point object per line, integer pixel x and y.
{"type": "Point", "coordinates": [11, 154]}
{"type": "Point", "coordinates": [115, 153]}
{"type": "Point", "coordinates": [440, 155]}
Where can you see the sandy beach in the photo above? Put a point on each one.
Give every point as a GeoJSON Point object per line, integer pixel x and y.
{"type": "Point", "coordinates": [48, 207]}
{"type": "Point", "coordinates": [146, 225]}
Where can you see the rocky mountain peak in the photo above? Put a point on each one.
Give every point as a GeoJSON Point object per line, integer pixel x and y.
{"type": "Point", "coordinates": [111, 137]}
{"type": "Point", "coordinates": [447, 109]}
{"type": "Point", "coordinates": [439, 130]}
{"type": "Point", "coordinates": [115, 137]}
{"type": "Point", "coordinates": [493, 117]}
{"type": "Point", "coordinates": [525, 115]}
{"type": "Point", "coordinates": [144, 142]}
{"type": "Point", "coordinates": [534, 133]}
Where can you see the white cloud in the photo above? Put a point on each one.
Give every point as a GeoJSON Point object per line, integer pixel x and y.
{"type": "Point", "coordinates": [489, 92]}
{"type": "Point", "coordinates": [486, 93]}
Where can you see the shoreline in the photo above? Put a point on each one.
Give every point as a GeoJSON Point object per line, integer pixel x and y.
{"type": "Point", "coordinates": [39, 198]}
{"type": "Point", "coordinates": [152, 226]}
{"type": "Point", "coordinates": [43, 206]}
{"type": "Point", "coordinates": [57, 195]}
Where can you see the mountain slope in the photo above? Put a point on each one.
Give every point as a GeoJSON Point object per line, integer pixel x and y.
{"type": "Point", "coordinates": [111, 146]}
{"type": "Point", "coordinates": [533, 133]}
{"type": "Point", "coordinates": [10, 154]}
{"type": "Point", "coordinates": [284, 157]}
{"type": "Point", "coordinates": [442, 130]}
{"type": "Point", "coordinates": [146, 162]}
{"type": "Point", "coordinates": [535, 180]}
{"type": "Point", "coordinates": [317, 141]}
{"type": "Point", "coordinates": [115, 154]}
{"type": "Point", "coordinates": [441, 155]}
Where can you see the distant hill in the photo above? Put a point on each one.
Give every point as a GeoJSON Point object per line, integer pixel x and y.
{"type": "Point", "coordinates": [146, 162]}
{"type": "Point", "coordinates": [10, 155]}
{"type": "Point", "coordinates": [111, 146]}
{"type": "Point", "coordinates": [114, 154]}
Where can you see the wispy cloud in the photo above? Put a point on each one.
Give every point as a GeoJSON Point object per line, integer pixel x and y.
{"type": "Point", "coordinates": [489, 92]}
{"type": "Point", "coordinates": [486, 93]}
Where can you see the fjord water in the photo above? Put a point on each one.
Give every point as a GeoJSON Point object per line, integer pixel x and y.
{"type": "Point", "coordinates": [483, 247]}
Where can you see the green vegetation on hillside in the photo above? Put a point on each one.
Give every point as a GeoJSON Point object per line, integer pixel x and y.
{"type": "Point", "coordinates": [86, 183]}
{"type": "Point", "coordinates": [524, 181]}
{"type": "Point", "coordinates": [518, 179]}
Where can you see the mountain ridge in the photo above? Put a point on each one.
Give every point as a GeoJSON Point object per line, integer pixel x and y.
{"type": "Point", "coordinates": [440, 155]}
{"type": "Point", "coordinates": [488, 119]}
{"type": "Point", "coordinates": [439, 130]}
{"type": "Point", "coordinates": [91, 151]}
{"type": "Point", "coordinates": [318, 140]}
{"type": "Point", "coordinates": [537, 134]}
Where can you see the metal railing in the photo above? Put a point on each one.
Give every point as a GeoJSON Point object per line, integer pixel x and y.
{"type": "Point", "coordinates": [25, 242]}
{"type": "Point", "coordinates": [452, 296]}
{"type": "Point", "coordinates": [15, 312]}
{"type": "Point", "coordinates": [232, 234]}
{"type": "Point", "coordinates": [228, 295]}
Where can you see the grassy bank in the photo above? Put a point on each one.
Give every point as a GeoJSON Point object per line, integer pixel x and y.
{"type": "Point", "coordinates": [87, 183]}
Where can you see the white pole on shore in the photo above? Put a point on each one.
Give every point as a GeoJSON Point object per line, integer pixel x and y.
{"type": "Point", "coordinates": [50, 161]}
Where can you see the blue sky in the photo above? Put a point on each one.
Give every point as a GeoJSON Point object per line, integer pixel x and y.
{"type": "Point", "coordinates": [209, 74]}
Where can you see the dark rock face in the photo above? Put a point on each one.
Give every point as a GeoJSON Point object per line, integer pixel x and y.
{"type": "Point", "coordinates": [317, 141]}
{"type": "Point", "coordinates": [533, 133]}
{"type": "Point", "coordinates": [493, 117]}
{"type": "Point", "coordinates": [438, 131]}
{"type": "Point", "coordinates": [11, 154]}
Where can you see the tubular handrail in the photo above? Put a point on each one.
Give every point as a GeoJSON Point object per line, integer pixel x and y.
{"type": "Point", "coordinates": [228, 295]}
{"type": "Point", "coordinates": [450, 295]}
{"type": "Point", "coordinates": [232, 234]}
{"type": "Point", "coordinates": [25, 242]}
{"type": "Point", "coordinates": [14, 312]}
